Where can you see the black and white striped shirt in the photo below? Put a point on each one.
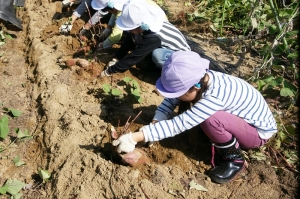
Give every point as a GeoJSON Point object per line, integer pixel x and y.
{"type": "Point", "coordinates": [172, 38]}
{"type": "Point", "coordinates": [225, 92]}
{"type": "Point", "coordinates": [168, 37]}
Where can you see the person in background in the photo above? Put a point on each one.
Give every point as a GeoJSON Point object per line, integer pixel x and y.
{"type": "Point", "coordinates": [111, 33]}
{"type": "Point", "coordinates": [67, 27]}
{"type": "Point", "coordinates": [97, 14]}
{"type": "Point", "coordinates": [151, 37]}
{"type": "Point", "coordinates": [231, 112]}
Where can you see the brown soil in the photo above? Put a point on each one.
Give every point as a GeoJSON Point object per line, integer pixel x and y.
{"type": "Point", "coordinates": [68, 114]}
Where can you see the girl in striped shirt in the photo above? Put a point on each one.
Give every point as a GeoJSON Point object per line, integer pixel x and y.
{"type": "Point", "coordinates": [231, 112]}
{"type": "Point", "coordinates": [151, 36]}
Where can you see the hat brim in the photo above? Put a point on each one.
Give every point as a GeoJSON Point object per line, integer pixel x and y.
{"type": "Point", "coordinates": [122, 26]}
{"type": "Point", "coordinates": [96, 6]}
{"type": "Point", "coordinates": [160, 88]}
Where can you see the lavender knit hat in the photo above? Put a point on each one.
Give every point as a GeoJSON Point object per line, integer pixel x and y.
{"type": "Point", "coordinates": [181, 71]}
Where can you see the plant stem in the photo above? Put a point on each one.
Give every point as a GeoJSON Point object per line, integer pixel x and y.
{"type": "Point", "coordinates": [132, 122]}
{"type": "Point", "coordinates": [223, 15]}
{"type": "Point", "coordinates": [90, 16]}
{"type": "Point", "coordinates": [275, 13]}
{"type": "Point", "coordinates": [252, 11]}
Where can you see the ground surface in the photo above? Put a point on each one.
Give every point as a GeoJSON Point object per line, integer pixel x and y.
{"type": "Point", "coordinates": [68, 114]}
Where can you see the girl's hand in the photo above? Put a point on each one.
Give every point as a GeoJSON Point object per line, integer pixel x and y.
{"type": "Point", "coordinates": [125, 143]}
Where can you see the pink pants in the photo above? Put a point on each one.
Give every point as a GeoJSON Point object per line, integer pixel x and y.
{"type": "Point", "coordinates": [222, 126]}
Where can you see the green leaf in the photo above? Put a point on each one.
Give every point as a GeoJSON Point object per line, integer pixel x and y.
{"type": "Point", "coordinates": [258, 156]}
{"type": "Point", "coordinates": [273, 29]}
{"type": "Point", "coordinates": [285, 12]}
{"type": "Point", "coordinates": [116, 92]}
{"type": "Point", "coordinates": [8, 36]}
{"type": "Point", "coordinates": [287, 84]}
{"type": "Point", "coordinates": [292, 156]}
{"type": "Point", "coordinates": [22, 135]}
{"type": "Point", "coordinates": [280, 67]}
{"type": "Point", "coordinates": [4, 130]}
{"type": "Point", "coordinates": [106, 88]}
{"type": "Point", "coordinates": [135, 92]}
{"type": "Point", "coordinates": [44, 174]}
{"type": "Point", "coordinates": [286, 92]}
{"type": "Point", "coordinates": [291, 129]}
{"type": "Point", "coordinates": [17, 196]}
{"type": "Point", "coordinates": [292, 33]}
{"type": "Point", "coordinates": [127, 79]}
{"type": "Point", "coordinates": [17, 161]}
{"type": "Point", "coordinates": [3, 189]}
{"type": "Point", "coordinates": [2, 37]}
{"type": "Point", "coordinates": [281, 135]}
{"type": "Point", "coordinates": [277, 144]}
{"type": "Point", "coordinates": [16, 113]}
{"type": "Point", "coordinates": [260, 84]}
{"type": "Point", "coordinates": [276, 82]}
{"type": "Point", "coordinates": [14, 186]}
{"type": "Point", "coordinates": [279, 80]}
{"type": "Point", "coordinates": [268, 79]}
{"type": "Point", "coordinates": [293, 55]}
{"type": "Point", "coordinates": [135, 84]}
{"type": "Point", "coordinates": [140, 100]}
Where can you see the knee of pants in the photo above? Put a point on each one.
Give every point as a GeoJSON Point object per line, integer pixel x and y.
{"type": "Point", "coordinates": [206, 124]}
{"type": "Point", "coordinates": [156, 58]}
{"type": "Point", "coordinates": [160, 55]}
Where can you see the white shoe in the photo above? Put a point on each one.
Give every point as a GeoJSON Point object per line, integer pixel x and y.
{"type": "Point", "coordinates": [67, 3]}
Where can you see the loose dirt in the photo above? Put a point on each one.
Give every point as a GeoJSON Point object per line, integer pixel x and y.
{"type": "Point", "coordinates": [68, 114]}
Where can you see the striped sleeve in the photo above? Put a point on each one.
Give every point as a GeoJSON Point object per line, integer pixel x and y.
{"type": "Point", "coordinates": [187, 120]}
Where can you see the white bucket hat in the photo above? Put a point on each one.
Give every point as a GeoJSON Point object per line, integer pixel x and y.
{"type": "Point", "coordinates": [100, 4]}
{"type": "Point", "coordinates": [137, 13]}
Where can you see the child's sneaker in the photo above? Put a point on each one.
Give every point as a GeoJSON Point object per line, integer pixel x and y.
{"type": "Point", "coordinates": [67, 3]}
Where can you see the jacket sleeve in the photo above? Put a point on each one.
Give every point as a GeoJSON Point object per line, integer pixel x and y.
{"type": "Point", "coordinates": [82, 8]}
{"type": "Point", "coordinates": [165, 109]}
{"type": "Point", "coordinates": [149, 43]}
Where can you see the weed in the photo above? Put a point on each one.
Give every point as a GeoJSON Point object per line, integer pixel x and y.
{"type": "Point", "coordinates": [17, 161]}
{"type": "Point", "coordinates": [283, 87]}
{"type": "Point", "coordinates": [14, 112]}
{"type": "Point", "coordinates": [3, 37]}
{"type": "Point", "coordinates": [4, 130]}
{"type": "Point", "coordinates": [131, 88]}
{"type": "Point", "coordinates": [44, 174]}
{"type": "Point", "coordinates": [13, 187]}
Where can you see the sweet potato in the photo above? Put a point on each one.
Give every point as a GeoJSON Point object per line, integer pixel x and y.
{"type": "Point", "coordinates": [134, 158]}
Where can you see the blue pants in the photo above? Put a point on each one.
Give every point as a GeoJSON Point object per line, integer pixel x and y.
{"type": "Point", "coordinates": [160, 55]}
